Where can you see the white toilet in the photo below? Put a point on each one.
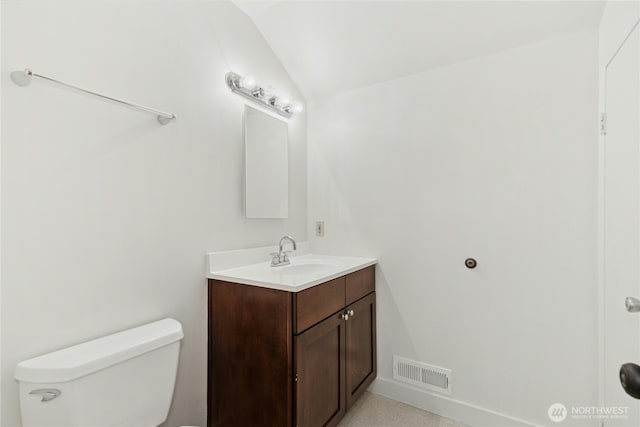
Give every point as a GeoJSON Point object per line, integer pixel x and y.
{"type": "Point", "coordinates": [124, 380]}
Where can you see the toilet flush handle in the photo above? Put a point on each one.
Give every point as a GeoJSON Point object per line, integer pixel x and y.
{"type": "Point", "coordinates": [46, 393]}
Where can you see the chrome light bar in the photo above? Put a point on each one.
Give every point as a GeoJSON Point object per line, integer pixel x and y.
{"type": "Point", "coordinates": [263, 96]}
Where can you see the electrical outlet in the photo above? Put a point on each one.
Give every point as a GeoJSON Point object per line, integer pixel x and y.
{"type": "Point", "coordinates": [320, 228]}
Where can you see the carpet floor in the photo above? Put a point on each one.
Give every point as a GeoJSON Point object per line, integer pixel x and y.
{"type": "Point", "coordinates": [372, 410]}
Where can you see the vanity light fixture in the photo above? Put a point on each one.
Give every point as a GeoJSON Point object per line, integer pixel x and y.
{"type": "Point", "coordinates": [266, 97]}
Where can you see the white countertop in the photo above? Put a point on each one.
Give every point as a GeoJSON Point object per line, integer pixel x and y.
{"type": "Point", "coordinates": [303, 272]}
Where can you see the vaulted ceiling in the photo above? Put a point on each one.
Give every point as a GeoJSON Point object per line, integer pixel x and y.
{"type": "Point", "coordinates": [332, 46]}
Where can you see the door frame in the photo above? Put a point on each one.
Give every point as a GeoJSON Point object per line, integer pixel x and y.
{"type": "Point", "coordinates": [603, 66]}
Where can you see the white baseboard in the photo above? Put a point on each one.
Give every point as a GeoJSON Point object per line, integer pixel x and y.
{"type": "Point", "coordinates": [458, 410]}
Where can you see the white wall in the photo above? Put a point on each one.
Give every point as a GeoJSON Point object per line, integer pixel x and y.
{"type": "Point", "coordinates": [106, 215]}
{"type": "Point", "coordinates": [493, 158]}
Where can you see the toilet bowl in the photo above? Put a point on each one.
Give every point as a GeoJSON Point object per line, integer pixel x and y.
{"type": "Point", "coordinates": [125, 380]}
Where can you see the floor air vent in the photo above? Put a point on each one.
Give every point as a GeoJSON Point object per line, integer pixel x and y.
{"type": "Point", "coordinates": [422, 375]}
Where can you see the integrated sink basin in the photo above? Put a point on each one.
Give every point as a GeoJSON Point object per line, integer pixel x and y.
{"type": "Point", "coordinates": [303, 271]}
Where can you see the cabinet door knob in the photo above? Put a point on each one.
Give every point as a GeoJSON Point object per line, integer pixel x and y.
{"type": "Point", "coordinates": [344, 316]}
{"type": "Point", "coordinates": [350, 313]}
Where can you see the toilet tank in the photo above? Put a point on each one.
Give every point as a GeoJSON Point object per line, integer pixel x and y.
{"type": "Point", "coordinates": [124, 380]}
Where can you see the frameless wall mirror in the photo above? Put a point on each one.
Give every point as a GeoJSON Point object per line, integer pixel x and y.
{"type": "Point", "coordinates": [266, 141]}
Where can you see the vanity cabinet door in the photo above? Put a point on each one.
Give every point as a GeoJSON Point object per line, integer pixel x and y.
{"type": "Point", "coordinates": [361, 347]}
{"type": "Point", "coordinates": [320, 379]}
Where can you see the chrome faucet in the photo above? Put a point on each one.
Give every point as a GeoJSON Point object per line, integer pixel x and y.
{"type": "Point", "coordinates": [282, 257]}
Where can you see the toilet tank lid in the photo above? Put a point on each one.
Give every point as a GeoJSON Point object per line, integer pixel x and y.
{"type": "Point", "coordinates": [83, 359]}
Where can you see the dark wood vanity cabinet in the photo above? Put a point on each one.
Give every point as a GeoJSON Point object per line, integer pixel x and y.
{"type": "Point", "coordinates": [278, 358]}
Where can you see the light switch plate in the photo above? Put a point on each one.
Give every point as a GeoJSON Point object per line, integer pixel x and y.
{"type": "Point", "coordinates": [320, 228]}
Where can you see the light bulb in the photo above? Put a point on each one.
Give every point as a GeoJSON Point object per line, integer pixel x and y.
{"type": "Point", "coordinates": [268, 92]}
{"type": "Point", "coordinates": [247, 82]}
{"type": "Point", "coordinates": [298, 107]}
